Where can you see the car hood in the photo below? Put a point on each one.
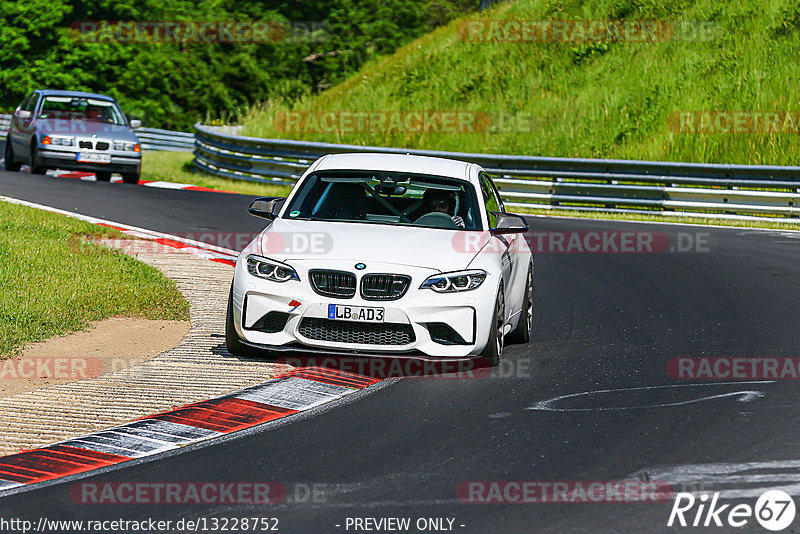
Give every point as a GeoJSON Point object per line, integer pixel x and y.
{"type": "Point", "coordinates": [86, 129]}
{"type": "Point", "coordinates": [431, 248]}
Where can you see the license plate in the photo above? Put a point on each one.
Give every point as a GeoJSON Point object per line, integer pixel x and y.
{"type": "Point", "coordinates": [355, 313]}
{"type": "Point", "coordinates": [91, 157]}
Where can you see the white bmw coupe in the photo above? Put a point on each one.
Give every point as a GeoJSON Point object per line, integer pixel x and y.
{"type": "Point", "coordinates": [384, 255]}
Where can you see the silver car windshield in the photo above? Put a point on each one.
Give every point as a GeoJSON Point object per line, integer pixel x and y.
{"type": "Point", "coordinates": [389, 198]}
{"type": "Point", "coordinates": [81, 109]}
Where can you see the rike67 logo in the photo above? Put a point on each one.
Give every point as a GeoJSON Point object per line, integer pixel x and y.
{"type": "Point", "coordinates": [774, 510]}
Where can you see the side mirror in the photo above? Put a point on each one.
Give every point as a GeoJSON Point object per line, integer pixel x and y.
{"type": "Point", "coordinates": [508, 223]}
{"type": "Point", "coordinates": [266, 207]}
{"type": "Point", "coordinates": [136, 123]}
{"type": "Point", "coordinates": [23, 114]}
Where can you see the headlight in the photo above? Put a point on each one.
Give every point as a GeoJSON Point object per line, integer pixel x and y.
{"type": "Point", "coordinates": [452, 282]}
{"type": "Point", "coordinates": [63, 141]}
{"type": "Point", "coordinates": [56, 140]}
{"type": "Point", "coordinates": [270, 270]}
{"type": "Point", "coordinates": [122, 145]}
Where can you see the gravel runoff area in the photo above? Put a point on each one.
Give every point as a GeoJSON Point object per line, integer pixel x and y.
{"type": "Point", "coordinates": [196, 369]}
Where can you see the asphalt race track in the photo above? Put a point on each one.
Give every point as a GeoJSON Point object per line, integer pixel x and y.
{"type": "Point", "coordinates": [604, 321]}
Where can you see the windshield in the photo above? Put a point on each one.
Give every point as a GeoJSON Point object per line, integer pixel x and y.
{"type": "Point", "coordinates": [387, 198]}
{"type": "Point", "coordinates": [82, 109]}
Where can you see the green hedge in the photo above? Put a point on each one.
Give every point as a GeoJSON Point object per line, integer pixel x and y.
{"type": "Point", "coordinates": [172, 85]}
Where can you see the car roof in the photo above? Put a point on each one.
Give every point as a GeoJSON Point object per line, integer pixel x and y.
{"type": "Point", "coordinates": [396, 162]}
{"type": "Point", "coordinates": [57, 92]}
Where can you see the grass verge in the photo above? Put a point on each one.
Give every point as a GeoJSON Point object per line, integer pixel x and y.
{"type": "Point", "coordinates": [54, 281]}
{"type": "Point", "coordinates": [177, 167]}
{"type": "Point", "coordinates": [580, 97]}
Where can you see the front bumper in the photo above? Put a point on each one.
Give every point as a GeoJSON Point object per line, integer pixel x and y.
{"type": "Point", "coordinates": [65, 158]}
{"type": "Point", "coordinates": [412, 326]}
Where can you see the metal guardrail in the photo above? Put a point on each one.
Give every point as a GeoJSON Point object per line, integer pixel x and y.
{"type": "Point", "coordinates": [5, 122]}
{"type": "Point", "coordinates": [149, 138]}
{"type": "Point", "coordinates": [156, 139]}
{"type": "Point", "coordinates": [540, 182]}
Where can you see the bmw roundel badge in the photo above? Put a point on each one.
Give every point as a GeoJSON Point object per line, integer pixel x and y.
{"type": "Point", "coordinates": [360, 266]}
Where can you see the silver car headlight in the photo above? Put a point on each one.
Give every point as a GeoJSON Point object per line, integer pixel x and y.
{"type": "Point", "coordinates": [62, 141]}
{"type": "Point", "coordinates": [453, 282]}
{"type": "Point", "coordinates": [125, 146]}
{"type": "Point", "coordinates": [270, 269]}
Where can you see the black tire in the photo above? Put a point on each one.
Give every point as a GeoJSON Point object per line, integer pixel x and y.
{"type": "Point", "coordinates": [36, 166]}
{"type": "Point", "coordinates": [232, 341]}
{"type": "Point", "coordinates": [103, 176]}
{"type": "Point", "coordinates": [10, 164]}
{"type": "Point", "coordinates": [522, 333]}
{"type": "Point", "coordinates": [493, 350]}
{"type": "Point", "coordinates": [130, 177]}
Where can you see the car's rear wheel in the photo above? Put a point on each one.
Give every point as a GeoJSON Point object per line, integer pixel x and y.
{"type": "Point", "coordinates": [130, 177]}
{"type": "Point", "coordinates": [34, 162]}
{"type": "Point", "coordinates": [10, 164]}
{"type": "Point", "coordinates": [494, 345]}
{"type": "Point", "coordinates": [103, 176]}
{"type": "Point", "coordinates": [522, 333]}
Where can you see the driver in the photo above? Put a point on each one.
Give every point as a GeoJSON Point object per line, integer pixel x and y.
{"type": "Point", "coordinates": [438, 201]}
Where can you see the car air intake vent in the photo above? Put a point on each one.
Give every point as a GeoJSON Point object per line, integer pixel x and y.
{"type": "Point", "coordinates": [384, 286]}
{"type": "Point", "coordinates": [272, 322]}
{"type": "Point", "coordinates": [85, 144]}
{"type": "Point", "coordinates": [444, 334]}
{"type": "Point", "coordinates": [338, 284]}
{"type": "Point", "coordinates": [102, 145]}
{"type": "Point", "coordinates": [355, 332]}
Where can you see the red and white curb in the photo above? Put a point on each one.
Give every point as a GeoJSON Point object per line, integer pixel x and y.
{"type": "Point", "coordinates": [90, 177]}
{"type": "Point", "coordinates": [296, 391]}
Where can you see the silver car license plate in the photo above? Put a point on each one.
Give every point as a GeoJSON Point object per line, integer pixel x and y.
{"type": "Point", "coordinates": [355, 313]}
{"type": "Point", "coordinates": [93, 157]}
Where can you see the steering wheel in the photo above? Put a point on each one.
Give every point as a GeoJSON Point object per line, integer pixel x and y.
{"type": "Point", "coordinates": [436, 219]}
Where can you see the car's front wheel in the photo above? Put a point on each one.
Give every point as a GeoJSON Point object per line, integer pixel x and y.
{"type": "Point", "coordinates": [232, 341]}
{"type": "Point", "coordinates": [522, 333]}
{"type": "Point", "coordinates": [34, 162]}
{"type": "Point", "coordinates": [10, 164]}
{"type": "Point", "coordinates": [130, 177]}
{"type": "Point", "coordinates": [494, 345]}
